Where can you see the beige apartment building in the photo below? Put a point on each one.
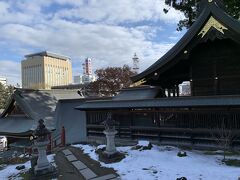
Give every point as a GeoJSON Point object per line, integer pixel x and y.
{"type": "Point", "coordinates": [45, 69]}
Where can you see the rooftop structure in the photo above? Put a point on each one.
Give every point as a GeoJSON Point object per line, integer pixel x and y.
{"type": "Point", "coordinates": [49, 54]}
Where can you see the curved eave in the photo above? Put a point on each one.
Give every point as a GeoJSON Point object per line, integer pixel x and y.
{"type": "Point", "coordinates": [209, 10]}
{"type": "Point", "coordinates": [22, 134]}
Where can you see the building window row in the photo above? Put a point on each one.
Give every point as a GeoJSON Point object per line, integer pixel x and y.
{"type": "Point", "coordinates": [55, 66]}
{"type": "Point", "coordinates": [33, 66]}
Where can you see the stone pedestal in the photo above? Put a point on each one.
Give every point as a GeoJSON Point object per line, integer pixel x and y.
{"type": "Point", "coordinates": [43, 166]}
{"type": "Point", "coordinates": [110, 148]}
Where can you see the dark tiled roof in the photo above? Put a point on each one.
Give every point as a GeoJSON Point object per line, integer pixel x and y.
{"type": "Point", "coordinates": [15, 126]}
{"type": "Point", "coordinates": [36, 104]}
{"type": "Point", "coordinates": [163, 102]}
{"type": "Point", "coordinates": [145, 92]}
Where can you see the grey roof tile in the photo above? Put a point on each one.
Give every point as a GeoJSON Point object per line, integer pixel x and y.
{"type": "Point", "coordinates": [36, 104]}
{"type": "Point", "coordinates": [145, 92]}
{"type": "Point", "coordinates": [163, 102]}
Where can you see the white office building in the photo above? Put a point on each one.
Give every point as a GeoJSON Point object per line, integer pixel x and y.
{"type": "Point", "coordinates": [77, 79]}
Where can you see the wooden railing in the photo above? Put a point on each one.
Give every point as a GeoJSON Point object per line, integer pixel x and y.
{"type": "Point", "coordinates": [59, 139]}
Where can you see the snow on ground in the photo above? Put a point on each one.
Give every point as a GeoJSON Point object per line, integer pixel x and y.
{"type": "Point", "coordinates": [162, 162]}
{"type": "Point", "coordinates": [143, 143]}
{"type": "Point", "coordinates": [11, 170]}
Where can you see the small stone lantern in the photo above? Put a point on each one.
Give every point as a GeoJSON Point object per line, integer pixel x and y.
{"type": "Point", "coordinates": [110, 133]}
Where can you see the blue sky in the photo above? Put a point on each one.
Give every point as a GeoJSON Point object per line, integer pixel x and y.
{"type": "Point", "coordinates": [109, 32]}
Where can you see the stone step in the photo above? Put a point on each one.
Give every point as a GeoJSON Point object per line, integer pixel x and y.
{"type": "Point", "coordinates": [106, 177]}
{"type": "Point", "coordinates": [88, 173]}
{"type": "Point", "coordinates": [71, 158]}
{"type": "Point", "coordinates": [84, 170]}
{"type": "Point", "coordinates": [79, 165]}
{"type": "Point", "coordinates": [67, 152]}
{"type": "Point", "coordinates": [117, 178]}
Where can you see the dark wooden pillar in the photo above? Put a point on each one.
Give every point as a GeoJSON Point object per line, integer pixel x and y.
{"type": "Point", "coordinates": [191, 82]}
{"type": "Point", "coordinates": [168, 91]}
{"type": "Point", "coordinates": [216, 90]}
{"type": "Point", "coordinates": [132, 119]}
{"type": "Point", "coordinates": [49, 147]}
{"type": "Point", "coordinates": [177, 90]}
{"type": "Point", "coordinates": [192, 88]}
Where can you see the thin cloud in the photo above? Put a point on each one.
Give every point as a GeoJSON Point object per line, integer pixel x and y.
{"type": "Point", "coordinates": [109, 32]}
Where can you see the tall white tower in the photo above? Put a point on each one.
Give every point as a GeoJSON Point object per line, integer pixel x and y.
{"type": "Point", "coordinates": [135, 63]}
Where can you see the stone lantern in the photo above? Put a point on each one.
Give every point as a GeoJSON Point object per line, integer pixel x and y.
{"type": "Point", "coordinates": [110, 133]}
{"type": "Point", "coordinates": [41, 142]}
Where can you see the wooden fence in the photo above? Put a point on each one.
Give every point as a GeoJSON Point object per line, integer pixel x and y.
{"type": "Point", "coordinates": [194, 127]}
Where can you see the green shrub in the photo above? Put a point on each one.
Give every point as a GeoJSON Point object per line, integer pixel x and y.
{"type": "Point", "coordinates": [181, 154]}
{"type": "Point", "coordinates": [232, 162]}
{"type": "Point", "coordinates": [141, 148]}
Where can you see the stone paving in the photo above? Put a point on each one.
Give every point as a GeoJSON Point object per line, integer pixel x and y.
{"type": "Point", "coordinates": [85, 171]}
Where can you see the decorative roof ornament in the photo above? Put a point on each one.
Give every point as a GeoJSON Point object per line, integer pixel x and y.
{"type": "Point", "coordinates": [138, 83]}
{"type": "Point", "coordinates": [212, 22]}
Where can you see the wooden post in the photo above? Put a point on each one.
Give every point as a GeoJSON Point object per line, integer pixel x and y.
{"type": "Point", "coordinates": [132, 119]}
{"type": "Point", "coordinates": [49, 147]}
{"type": "Point", "coordinates": [30, 150]}
{"type": "Point", "coordinates": [215, 79]}
{"type": "Point", "coordinates": [192, 87]}
{"type": "Point", "coordinates": [191, 82]}
{"type": "Point", "coordinates": [63, 142]}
